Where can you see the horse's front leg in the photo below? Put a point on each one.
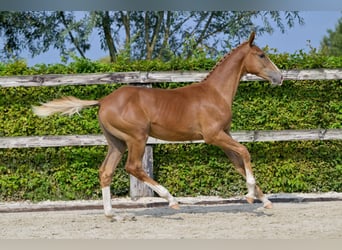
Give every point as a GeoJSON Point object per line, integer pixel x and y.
{"type": "Point", "coordinates": [240, 157]}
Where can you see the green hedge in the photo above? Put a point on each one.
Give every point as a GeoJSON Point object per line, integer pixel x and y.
{"type": "Point", "coordinates": [72, 172]}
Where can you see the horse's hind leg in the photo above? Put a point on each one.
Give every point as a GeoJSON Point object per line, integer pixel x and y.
{"type": "Point", "coordinates": [134, 167]}
{"type": "Point", "coordinates": [116, 148]}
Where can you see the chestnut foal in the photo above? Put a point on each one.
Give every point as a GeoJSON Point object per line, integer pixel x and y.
{"type": "Point", "coordinates": [129, 115]}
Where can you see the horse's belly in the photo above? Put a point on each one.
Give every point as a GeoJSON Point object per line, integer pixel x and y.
{"type": "Point", "coordinates": [174, 133]}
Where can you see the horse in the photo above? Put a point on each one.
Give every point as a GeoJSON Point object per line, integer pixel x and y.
{"type": "Point", "coordinates": [199, 111]}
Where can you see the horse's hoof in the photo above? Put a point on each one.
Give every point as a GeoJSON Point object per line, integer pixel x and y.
{"type": "Point", "coordinates": [249, 199]}
{"type": "Point", "coordinates": [175, 206]}
{"type": "Point", "coordinates": [109, 214]}
{"type": "Point", "coordinates": [268, 205]}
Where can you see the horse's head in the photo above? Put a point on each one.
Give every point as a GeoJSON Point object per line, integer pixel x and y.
{"type": "Point", "coordinates": [257, 63]}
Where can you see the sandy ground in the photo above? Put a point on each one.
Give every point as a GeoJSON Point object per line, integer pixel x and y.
{"type": "Point", "coordinates": [287, 220]}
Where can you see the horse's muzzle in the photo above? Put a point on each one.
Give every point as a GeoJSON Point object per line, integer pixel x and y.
{"type": "Point", "coordinates": [276, 78]}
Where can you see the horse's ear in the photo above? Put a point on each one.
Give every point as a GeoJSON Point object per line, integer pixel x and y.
{"type": "Point", "coordinates": [251, 38]}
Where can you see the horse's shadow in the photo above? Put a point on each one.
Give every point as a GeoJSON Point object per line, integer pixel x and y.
{"type": "Point", "coordinates": [168, 213]}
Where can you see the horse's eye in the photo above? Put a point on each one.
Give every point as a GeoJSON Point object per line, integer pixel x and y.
{"type": "Point", "coordinates": [262, 56]}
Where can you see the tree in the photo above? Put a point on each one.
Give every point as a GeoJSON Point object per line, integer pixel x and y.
{"type": "Point", "coordinates": [138, 34]}
{"type": "Point", "coordinates": [166, 33]}
{"type": "Point", "coordinates": [37, 32]}
{"type": "Point", "coordinates": [105, 22]}
{"type": "Point", "coordinates": [332, 43]}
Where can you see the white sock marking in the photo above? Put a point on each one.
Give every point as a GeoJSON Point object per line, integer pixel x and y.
{"type": "Point", "coordinates": [163, 192]}
{"type": "Point", "coordinates": [250, 184]}
{"type": "Point", "coordinates": [107, 202]}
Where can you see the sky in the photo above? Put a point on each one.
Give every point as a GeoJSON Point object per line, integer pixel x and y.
{"type": "Point", "coordinates": [315, 28]}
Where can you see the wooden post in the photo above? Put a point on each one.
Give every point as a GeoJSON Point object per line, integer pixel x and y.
{"type": "Point", "coordinates": [137, 188]}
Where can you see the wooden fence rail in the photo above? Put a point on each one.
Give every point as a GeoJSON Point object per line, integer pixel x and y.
{"type": "Point", "coordinates": [151, 77]}
{"type": "Point", "coordinates": [241, 136]}
{"type": "Point", "coordinates": [138, 189]}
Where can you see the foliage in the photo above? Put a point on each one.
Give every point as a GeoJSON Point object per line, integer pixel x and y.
{"type": "Point", "coordinates": [196, 169]}
{"type": "Point", "coordinates": [138, 34]}
{"type": "Point", "coordinates": [331, 44]}
{"type": "Point", "coordinates": [41, 31]}
{"type": "Point", "coordinates": [302, 166]}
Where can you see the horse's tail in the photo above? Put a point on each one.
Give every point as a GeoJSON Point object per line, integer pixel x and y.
{"type": "Point", "coordinates": [68, 105]}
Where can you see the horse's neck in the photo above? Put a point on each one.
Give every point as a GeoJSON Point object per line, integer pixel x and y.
{"type": "Point", "coordinates": [225, 78]}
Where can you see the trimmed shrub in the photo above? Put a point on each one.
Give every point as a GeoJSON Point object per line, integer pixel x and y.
{"type": "Point", "coordinates": [67, 173]}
